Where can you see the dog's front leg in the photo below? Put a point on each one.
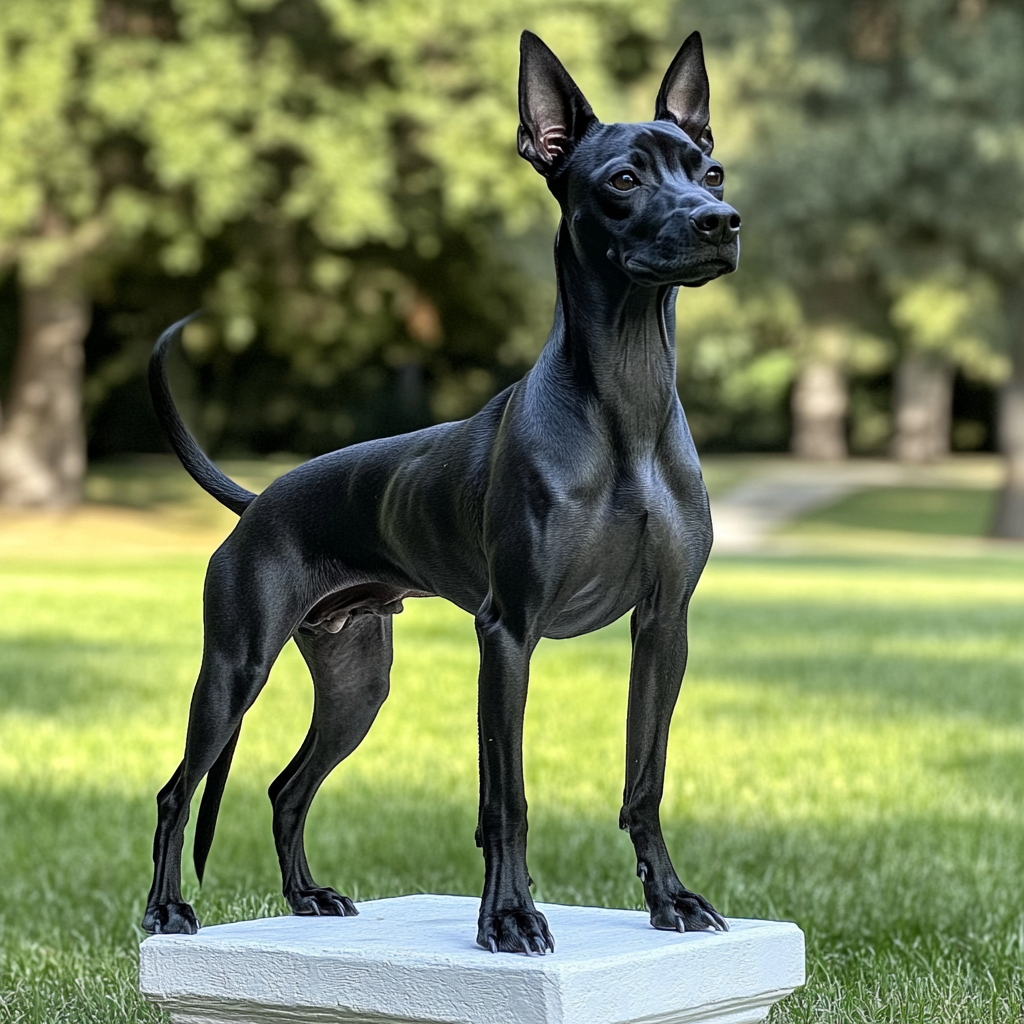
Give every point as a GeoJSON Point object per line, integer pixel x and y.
{"type": "Point", "coordinates": [509, 922]}
{"type": "Point", "coordinates": [659, 659]}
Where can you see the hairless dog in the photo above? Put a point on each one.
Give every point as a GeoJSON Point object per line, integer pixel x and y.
{"type": "Point", "coordinates": [572, 497]}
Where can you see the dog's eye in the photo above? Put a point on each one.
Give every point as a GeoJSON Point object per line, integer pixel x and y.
{"type": "Point", "coordinates": [624, 181]}
{"type": "Point", "coordinates": [714, 177]}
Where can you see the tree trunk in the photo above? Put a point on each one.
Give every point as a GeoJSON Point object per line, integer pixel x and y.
{"type": "Point", "coordinates": [819, 405]}
{"type": "Point", "coordinates": [42, 441]}
{"type": "Point", "coordinates": [1009, 521]}
{"type": "Point", "coordinates": [923, 398]}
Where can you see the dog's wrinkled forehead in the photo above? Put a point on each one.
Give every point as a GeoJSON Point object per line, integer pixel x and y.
{"type": "Point", "coordinates": [654, 148]}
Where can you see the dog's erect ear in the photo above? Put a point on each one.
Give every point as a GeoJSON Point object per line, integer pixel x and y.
{"type": "Point", "coordinates": [553, 114]}
{"type": "Point", "coordinates": [684, 94]}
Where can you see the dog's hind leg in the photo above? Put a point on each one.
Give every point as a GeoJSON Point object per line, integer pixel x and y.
{"type": "Point", "coordinates": [351, 671]}
{"type": "Point", "coordinates": [240, 647]}
{"type": "Point", "coordinates": [217, 709]}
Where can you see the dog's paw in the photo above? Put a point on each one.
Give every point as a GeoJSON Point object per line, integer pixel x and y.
{"type": "Point", "coordinates": [321, 903]}
{"type": "Point", "coordinates": [170, 919]}
{"type": "Point", "coordinates": [685, 911]}
{"type": "Point", "coordinates": [518, 931]}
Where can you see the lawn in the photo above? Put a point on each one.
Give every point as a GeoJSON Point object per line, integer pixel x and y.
{"type": "Point", "coordinates": [848, 753]}
{"type": "Point", "coordinates": [950, 511]}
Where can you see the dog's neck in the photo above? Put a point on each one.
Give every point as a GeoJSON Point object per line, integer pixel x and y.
{"type": "Point", "coordinates": [615, 340]}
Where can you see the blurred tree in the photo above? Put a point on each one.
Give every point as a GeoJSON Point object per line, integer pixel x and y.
{"type": "Point", "coordinates": [736, 358]}
{"type": "Point", "coordinates": [884, 181]}
{"type": "Point", "coordinates": [45, 225]}
{"type": "Point", "coordinates": [332, 174]}
{"type": "Point", "coordinates": [820, 399]}
{"type": "Point", "coordinates": [791, 179]}
{"type": "Point", "coordinates": [946, 321]}
{"type": "Point", "coordinates": [1009, 521]}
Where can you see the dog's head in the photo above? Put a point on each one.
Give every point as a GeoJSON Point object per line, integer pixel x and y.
{"type": "Point", "coordinates": [648, 196]}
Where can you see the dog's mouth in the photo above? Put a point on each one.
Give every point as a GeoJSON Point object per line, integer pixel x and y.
{"type": "Point", "coordinates": [689, 274]}
{"type": "Point", "coordinates": [706, 271]}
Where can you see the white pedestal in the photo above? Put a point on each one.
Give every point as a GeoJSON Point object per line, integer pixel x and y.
{"type": "Point", "coordinates": [413, 959]}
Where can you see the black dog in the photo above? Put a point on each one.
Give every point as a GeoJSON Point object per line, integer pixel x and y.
{"type": "Point", "coordinates": [570, 498]}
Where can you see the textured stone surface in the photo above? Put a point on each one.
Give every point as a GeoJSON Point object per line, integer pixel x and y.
{"type": "Point", "coordinates": [414, 959]}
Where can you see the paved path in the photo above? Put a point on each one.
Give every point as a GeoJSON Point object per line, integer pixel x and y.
{"type": "Point", "coordinates": [779, 490]}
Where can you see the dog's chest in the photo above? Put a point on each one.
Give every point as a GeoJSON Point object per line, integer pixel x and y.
{"type": "Point", "coordinates": [642, 528]}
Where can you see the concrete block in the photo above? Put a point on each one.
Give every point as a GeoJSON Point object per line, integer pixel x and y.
{"type": "Point", "coordinates": [413, 959]}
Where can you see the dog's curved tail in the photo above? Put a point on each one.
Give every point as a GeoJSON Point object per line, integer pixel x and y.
{"type": "Point", "coordinates": [206, 821]}
{"type": "Point", "coordinates": [192, 457]}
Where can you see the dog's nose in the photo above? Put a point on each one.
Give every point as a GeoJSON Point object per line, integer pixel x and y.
{"type": "Point", "coordinates": [715, 223]}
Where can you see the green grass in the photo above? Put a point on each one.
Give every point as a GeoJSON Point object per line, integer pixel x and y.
{"type": "Point", "coordinates": [848, 753]}
{"type": "Point", "coordinates": [961, 512]}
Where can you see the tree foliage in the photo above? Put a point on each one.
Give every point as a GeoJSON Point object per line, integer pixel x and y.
{"type": "Point", "coordinates": [336, 183]}
{"type": "Point", "coordinates": [337, 180]}
{"type": "Point", "coordinates": [881, 174]}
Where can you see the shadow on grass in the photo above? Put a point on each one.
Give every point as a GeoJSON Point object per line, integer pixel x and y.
{"type": "Point", "coordinates": [937, 660]}
{"type": "Point", "coordinates": [76, 678]}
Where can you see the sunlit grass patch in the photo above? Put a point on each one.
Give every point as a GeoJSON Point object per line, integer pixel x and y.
{"type": "Point", "coordinates": [965, 512]}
